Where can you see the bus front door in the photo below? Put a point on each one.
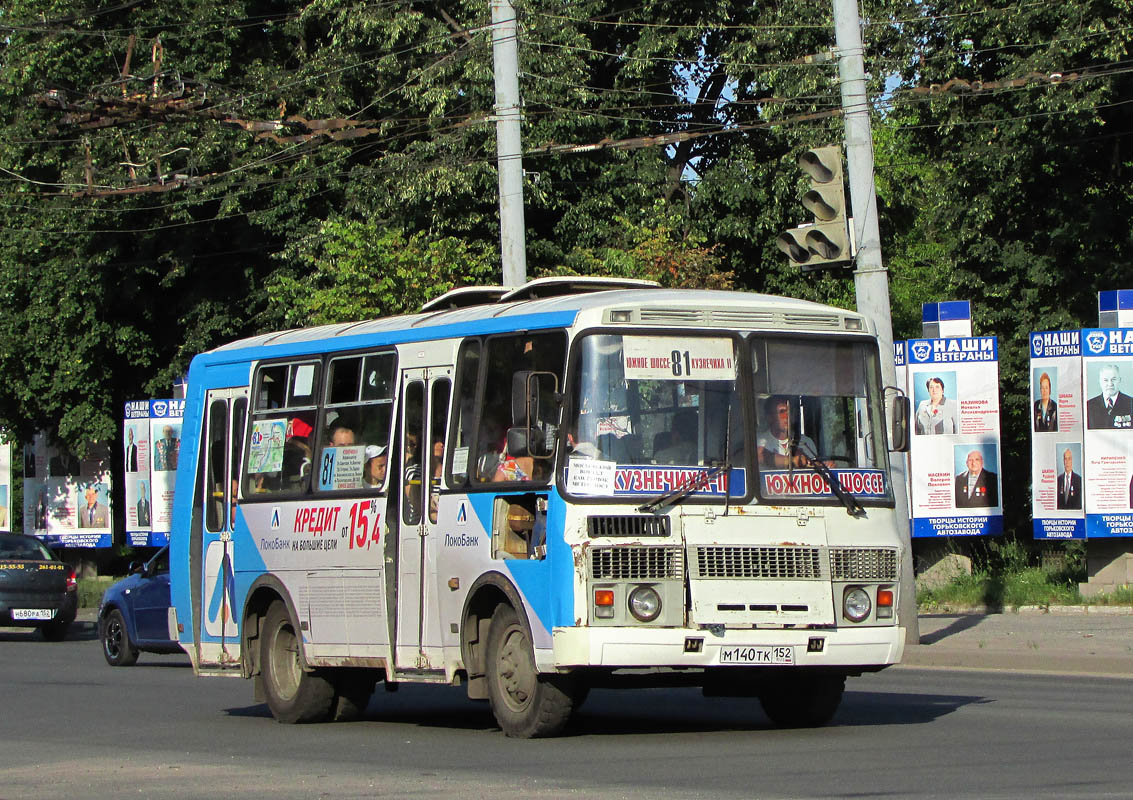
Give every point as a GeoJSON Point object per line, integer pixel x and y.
{"type": "Point", "coordinates": [218, 643]}
{"type": "Point", "coordinates": [424, 417]}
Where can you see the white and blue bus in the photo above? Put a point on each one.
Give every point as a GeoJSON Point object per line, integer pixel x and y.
{"type": "Point", "coordinates": [532, 492]}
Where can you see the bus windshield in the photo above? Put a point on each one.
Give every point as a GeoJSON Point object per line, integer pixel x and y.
{"type": "Point", "coordinates": [652, 412]}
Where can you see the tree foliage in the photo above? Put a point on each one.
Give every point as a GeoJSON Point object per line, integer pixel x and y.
{"type": "Point", "coordinates": [183, 173]}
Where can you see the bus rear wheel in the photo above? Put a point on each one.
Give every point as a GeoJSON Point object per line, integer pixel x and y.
{"type": "Point", "coordinates": [803, 701]}
{"type": "Point", "coordinates": [293, 695]}
{"type": "Point", "coordinates": [525, 703]}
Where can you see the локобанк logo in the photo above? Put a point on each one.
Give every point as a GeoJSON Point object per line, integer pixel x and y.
{"type": "Point", "coordinates": [1095, 340]}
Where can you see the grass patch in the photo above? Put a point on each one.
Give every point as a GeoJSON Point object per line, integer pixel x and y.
{"type": "Point", "coordinates": [91, 589]}
{"type": "Point", "coordinates": [1122, 596]}
{"type": "Point", "coordinates": [1006, 574]}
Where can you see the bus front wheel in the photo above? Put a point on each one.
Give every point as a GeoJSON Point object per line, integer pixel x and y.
{"type": "Point", "coordinates": [525, 703]}
{"type": "Point", "coordinates": [293, 695]}
{"type": "Point", "coordinates": [803, 701]}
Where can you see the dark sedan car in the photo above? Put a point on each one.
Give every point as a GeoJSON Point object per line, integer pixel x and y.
{"type": "Point", "coordinates": [37, 590]}
{"type": "Point", "coordinates": [134, 613]}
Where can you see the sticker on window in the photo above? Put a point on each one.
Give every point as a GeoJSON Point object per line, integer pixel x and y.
{"type": "Point", "coordinates": [616, 426]}
{"type": "Point", "coordinates": [341, 467]}
{"type": "Point", "coordinates": [668, 358]}
{"type": "Point", "coordinates": [589, 476]}
{"type": "Point", "coordinates": [266, 452]}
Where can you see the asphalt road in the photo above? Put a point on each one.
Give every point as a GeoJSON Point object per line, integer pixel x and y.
{"type": "Point", "coordinates": [74, 727]}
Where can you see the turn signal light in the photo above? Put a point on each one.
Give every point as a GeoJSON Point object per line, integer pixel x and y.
{"type": "Point", "coordinates": [885, 604]}
{"type": "Point", "coordinates": [604, 603]}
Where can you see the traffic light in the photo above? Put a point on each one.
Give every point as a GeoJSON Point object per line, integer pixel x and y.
{"type": "Point", "coordinates": [824, 243]}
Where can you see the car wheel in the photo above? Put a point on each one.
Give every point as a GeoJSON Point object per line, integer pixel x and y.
{"type": "Point", "coordinates": [56, 630]}
{"type": "Point", "coordinates": [293, 694]}
{"type": "Point", "coordinates": [117, 648]}
{"type": "Point", "coordinates": [525, 703]}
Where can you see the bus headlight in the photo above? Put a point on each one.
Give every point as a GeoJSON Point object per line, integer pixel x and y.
{"type": "Point", "coordinates": [644, 603]}
{"type": "Point", "coordinates": [856, 604]}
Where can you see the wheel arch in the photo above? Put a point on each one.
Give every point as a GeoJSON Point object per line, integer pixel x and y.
{"type": "Point", "coordinates": [264, 591]}
{"type": "Point", "coordinates": [487, 592]}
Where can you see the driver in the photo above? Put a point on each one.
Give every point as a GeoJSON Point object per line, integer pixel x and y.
{"type": "Point", "coordinates": [774, 445]}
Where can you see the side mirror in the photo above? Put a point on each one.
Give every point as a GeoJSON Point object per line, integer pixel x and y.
{"type": "Point", "coordinates": [899, 424]}
{"type": "Point", "coordinates": [524, 442]}
{"type": "Point", "coordinates": [135, 566]}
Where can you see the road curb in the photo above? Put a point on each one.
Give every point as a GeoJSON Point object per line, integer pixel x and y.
{"type": "Point", "coordinates": [947, 610]}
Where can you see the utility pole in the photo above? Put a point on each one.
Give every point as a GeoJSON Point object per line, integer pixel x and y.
{"type": "Point", "coordinates": [871, 281]}
{"type": "Point", "coordinates": [509, 147]}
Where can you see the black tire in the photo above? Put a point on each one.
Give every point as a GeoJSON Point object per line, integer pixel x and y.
{"type": "Point", "coordinates": [804, 701]}
{"type": "Point", "coordinates": [352, 692]}
{"type": "Point", "coordinates": [293, 695]}
{"type": "Point", "coordinates": [56, 630]}
{"type": "Point", "coordinates": [117, 648]}
{"type": "Point", "coordinates": [525, 703]}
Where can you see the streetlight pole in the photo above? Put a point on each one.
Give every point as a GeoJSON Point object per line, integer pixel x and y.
{"type": "Point", "coordinates": [871, 280]}
{"type": "Point", "coordinates": [509, 147]}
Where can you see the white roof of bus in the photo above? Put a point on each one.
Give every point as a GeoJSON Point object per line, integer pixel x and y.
{"type": "Point", "coordinates": [620, 298]}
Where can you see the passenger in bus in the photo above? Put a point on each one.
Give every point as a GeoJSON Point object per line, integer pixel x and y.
{"type": "Point", "coordinates": [374, 471]}
{"type": "Point", "coordinates": [681, 448]}
{"type": "Point", "coordinates": [341, 435]}
{"type": "Point", "coordinates": [775, 445]}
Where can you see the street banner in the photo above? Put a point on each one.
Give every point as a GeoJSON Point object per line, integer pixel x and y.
{"type": "Point", "coordinates": [1057, 416]}
{"type": "Point", "coordinates": [136, 468]}
{"type": "Point", "coordinates": [955, 451]}
{"type": "Point", "coordinates": [1107, 380]}
{"type": "Point", "coordinates": [67, 501]}
{"type": "Point", "coordinates": [165, 450]}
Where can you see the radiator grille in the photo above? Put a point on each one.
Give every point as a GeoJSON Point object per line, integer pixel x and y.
{"type": "Point", "coordinates": [627, 526]}
{"type": "Point", "coordinates": [863, 564]}
{"type": "Point", "coordinates": [723, 561]}
{"type": "Point", "coordinates": [636, 563]}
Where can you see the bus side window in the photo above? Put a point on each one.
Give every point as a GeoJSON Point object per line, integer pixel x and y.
{"type": "Point", "coordinates": [465, 417]}
{"type": "Point", "coordinates": [215, 489]}
{"type": "Point", "coordinates": [438, 414]}
{"type": "Point", "coordinates": [279, 456]}
{"type": "Point", "coordinates": [511, 361]}
{"type": "Point", "coordinates": [354, 445]}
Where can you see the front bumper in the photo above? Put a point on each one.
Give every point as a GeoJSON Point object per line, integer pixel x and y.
{"type": "Point", "coordinates": [669, 647]}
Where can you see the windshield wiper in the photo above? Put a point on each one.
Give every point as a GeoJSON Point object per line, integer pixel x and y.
{"type": "Point", "coordinates": [681, 492]}
{"type": "Point", "coordinates": [853, 507]}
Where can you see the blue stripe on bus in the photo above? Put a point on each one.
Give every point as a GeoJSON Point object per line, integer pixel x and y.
{"type": "Point", "coordinates": [480, 327]}
{"type": "Point", "coordinates": [540, 580]}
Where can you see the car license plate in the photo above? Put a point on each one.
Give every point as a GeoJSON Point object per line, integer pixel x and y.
{"type": "Point", "coordinates": [32, 613]}
{"type": "Point", "coordinates": [783, 654]}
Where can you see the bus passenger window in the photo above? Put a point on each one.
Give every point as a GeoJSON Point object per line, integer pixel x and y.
{"type": "Point", "coordinates": [279, 451]}
{"type": "Point", "coordinates": [354, 445]}
{"type": "Point", "coordinates": [519, 394]}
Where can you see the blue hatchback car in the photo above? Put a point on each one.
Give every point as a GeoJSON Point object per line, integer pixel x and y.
{"type": "Point", "coordinates": [134, 614]}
